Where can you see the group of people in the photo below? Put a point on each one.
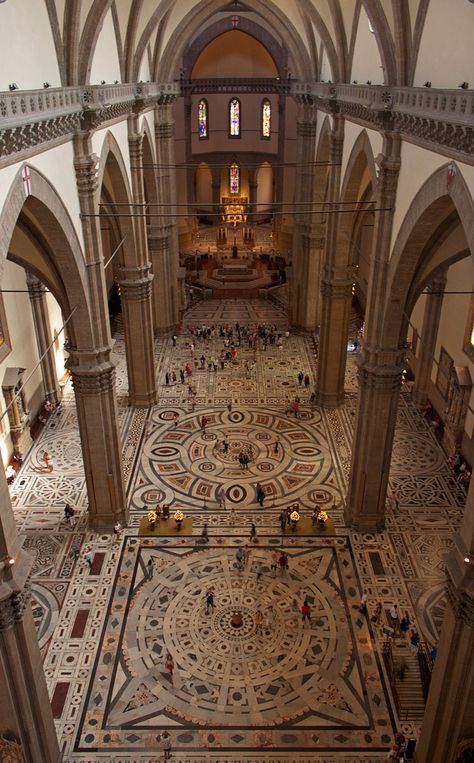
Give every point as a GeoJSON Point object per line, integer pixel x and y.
{"type": "Point", "coordinates": [461, 471]}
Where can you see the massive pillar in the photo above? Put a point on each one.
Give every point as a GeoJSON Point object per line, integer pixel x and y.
{"type": "Point", "coordinates": [39, 309]}
{"type": "Point", "coordinates": [429, 332]}
{"type": "Point", "coordinates": [306, 259]}
{"type": "Point", "coordinates": [449, 713]}
{"type": "Point", "coordinates": [165, 236]}
{"type": "Point", "coordinates": [336, 292]}
{"type": "Point", "coordinates": [135, 289]}
{"type": "Point", "coordinates": [26, 720]}
{"type": "Point", "coordinates": [380, 368]}
{"type": "Point", "coordinates": [93, 372]}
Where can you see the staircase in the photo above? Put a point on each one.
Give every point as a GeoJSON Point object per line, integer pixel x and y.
{"type": "Point", "coordinates": [403, 669]}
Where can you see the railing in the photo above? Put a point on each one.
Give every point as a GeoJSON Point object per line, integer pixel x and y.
{"type": "Point", "coordinates": [454, 106]}
{"type": "Point", "coordinates": [426, 666]}
{"type": "Point", "coordinates": [236, 85]}
{"type": "Point", "coordinates": [22, 106]}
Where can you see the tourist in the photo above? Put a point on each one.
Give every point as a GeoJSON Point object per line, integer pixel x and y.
{"type": "Point", "coordinates": [363, 604]}
{"type": "Point", "coordinates": [306, 611]}
{"type": "Point", "coordinates": [282, 520]}
{"type": "Point", "coordinates": [283, 562]}
{"type": "Point", "coordinates": [300, 378]}
{"type": "Point", "coordinates": [274, 562]}
{"type": "Point", "coordinates": [174, 339]}
{"type": "Point", "coordinates": [414, 641]}
{"type": "Point", "coordinates": [306, 380]}
{"type": "Point", "coordinates": [221, 496]}
{"type": "Point", "coordinates": [204, 534]}
{"type": "Point", "coordinates": [377, 614]}
{"type": "Point", "coordinates": [169, 665]}
{"type": "Point", "coordinates": [405, 623]}
{"type": "Point", "coordinates": [277, 446]}
{"type": "Point", "coordinates": [150, 568]}
{"type": "Point", "coordinates": [394, 617]}
{"type": "Point", "coordinates": [253, 533]}
{"type": "Point", "coordinates": [167, 379]}
{"type": "Point", "coordinates": [209, 600]}
{"type": "Point", "coordinates": [260, 494]}
{"type": "Point", "coordinates": [203, 423]}
{"type": "Point", "coordinates": [118, 529]}
{"type": "Point", "coordinates": [258, 620]}
{"type": "Point", "coordinates": [225, 444]}
{"type": "Point", "coordinates": [88, 557]}
{"type": "Point", "coordinates": [48, 461]}
{"type": "Point", "coordinates": [166, 745]}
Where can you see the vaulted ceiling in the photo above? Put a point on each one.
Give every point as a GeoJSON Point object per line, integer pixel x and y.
{"type": "Point", "coordinates": [318, 34]}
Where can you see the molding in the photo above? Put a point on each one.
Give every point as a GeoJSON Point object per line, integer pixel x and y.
{"type": "Point", "coordinates": [441, 120]}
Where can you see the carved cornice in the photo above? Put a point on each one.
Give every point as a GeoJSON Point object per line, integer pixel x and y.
{"type": "Point", "coordinates": [235, 85]}
{"type": "Point", "coordinates": [44, 118]}
{"type": "Point", "coordinates": [440, 120]}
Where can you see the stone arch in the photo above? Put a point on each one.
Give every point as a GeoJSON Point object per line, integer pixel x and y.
{"type": "Point", "coordinates": [323, 153]}
{"type": "Point", "coordinates": [278, 53]}
{"type": "Point", "coordinates": [114, 184]}
{"type": "Point", "coordinates": [61, 266]}
{"type": "Point", "coordinates": [433, 205]}
{"type": "Point", "coordinates": [168, 67]}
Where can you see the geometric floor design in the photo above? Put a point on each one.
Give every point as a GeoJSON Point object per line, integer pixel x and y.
{"type": "Point", "coordinates": [296, 685]}
{"type": "Point", "coordinates": [294, 693]}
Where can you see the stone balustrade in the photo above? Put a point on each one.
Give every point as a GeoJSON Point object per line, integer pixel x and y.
{"type": "Point", "coordinates": [236, 85]}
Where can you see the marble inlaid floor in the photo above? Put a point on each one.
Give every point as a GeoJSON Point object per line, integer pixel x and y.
{"type": "Point", "coordinates": [294, 693]}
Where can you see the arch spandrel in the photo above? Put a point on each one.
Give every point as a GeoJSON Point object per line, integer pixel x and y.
{"type": "Point", "coordinates": [61, 267]}
{"type": "Point", "coordinates": [436, 201]}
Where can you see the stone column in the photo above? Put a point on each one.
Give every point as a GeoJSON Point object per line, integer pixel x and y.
{"type": "Point", "coordinates": [306, 263]}
{"type": "Point", "coordinates": [39, 307]}
{"type": "Point", "coordinates": [166, 315]}
{"type": "Point", "coordinates": [93, 372]}
{"type": "Point", "coordinates": [135, 290]}
{"type": "Point", "coordinates": [336, 291]}
{"type": "Point", "coordinates": [429, 332]}
{"type": "Point", "coordinates": [449, 717]}
{"type": "Point", "coordinates": [380, 369]}
{"type": "Point", "coordinates": [25, 715]}
{"type": "Point", "coordinates": [93, 378]}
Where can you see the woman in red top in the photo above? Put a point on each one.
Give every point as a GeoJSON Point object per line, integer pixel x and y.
{"type": "Point", "coordinates": [306, 610]}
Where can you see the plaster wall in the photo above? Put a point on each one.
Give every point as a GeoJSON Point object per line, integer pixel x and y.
{"type": "Point", "coordinates": [27, 53]}
{"type": "Point", "coordinates": [446, 59]}
{"type": "Point", "coordinates": [366, 62]}
{"type": "Point", "coordinates": [351, 133]}
{"type": "Point", "coordinates": [105, 62]}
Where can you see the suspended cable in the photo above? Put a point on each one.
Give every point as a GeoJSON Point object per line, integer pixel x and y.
{"type": "Point", "coordinates": [219, 204]}
{"type": "Point", "coordinates": [220, 214]}
{"type": "Point", "coordinates": [38, 363]}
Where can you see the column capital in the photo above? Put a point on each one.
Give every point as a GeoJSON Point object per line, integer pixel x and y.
{"type": "Point", "coordinates": [381, 370]}
{"type": "Point", "coordinates": [36, 288]}
{"type": "Point", "coordinates": [13, 608]}
{"type": "Point", "coordinates": [135, 283]}
{"type": "Point", "coordinates": [87, 169]}
{"type": "Point", "coordinates": [135, 148]}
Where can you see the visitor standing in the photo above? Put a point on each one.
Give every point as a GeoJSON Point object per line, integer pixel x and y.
{"type": "Point", "coordinates": [209, 600]}
{"type": "Point", "coordinates": [306, 611]}
{"type": "Point", "coordinates": [258, 620]}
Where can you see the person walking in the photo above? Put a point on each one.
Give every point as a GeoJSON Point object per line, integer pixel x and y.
{"type": "Point", "coordinates": [282, 520]}
{"type": "Point", "coordinates": [306, 611]}
{"type": "Point", "coordinates": [48, 461]}
{"type": "Point", "coordinates": [225, 444]}
{"type": "Point", "coordinates": [277, 446]}
{"type": "Point", "coordinates": [414, 641]}
{"type": "Point", "coordinates": [306, 380]}
{"type": "Point", "coordinates": [274, 562]}
{"type": "Point", "coordinates": [253, 533]}
{"type": "Point", "coordinates": [405, 623]}
{"type": "Point", "coordinates": [203, 423]}
{"type": "Point", "coordinates": [221, 496]}
{"type": "Point", "coordinates": [258, 620]}
{"type": "Point", "coordinates": [209, 600]}
{"type": "Point", "coordinates": [395, 618]}
{"type": "Point", "coordinates": [166, 739]}
{"type": "Point", "coordinates": [205, 534]}
{"type": "Point", "coordinates": [260, 494]}
{"type": "Point", "coordinates": [167, 379]}
{"type": "Point", "coordinates": [150, 568]}
{"type": "Point", "coordinates": [283, 562]}
{"type": "Point", "coordinates": [300, 378]}
{"type": "Point", "coordinates": [169, 665]}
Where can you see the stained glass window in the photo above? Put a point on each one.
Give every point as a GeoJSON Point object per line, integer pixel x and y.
{"type": "Point", "coordinates": [234, 178]}
{"type": "Point", "coordinates": [266, 118]}
{"type": "Point", "coordinates": [202, 118]}
{"type": "Point", "coordinates": [234, 118]}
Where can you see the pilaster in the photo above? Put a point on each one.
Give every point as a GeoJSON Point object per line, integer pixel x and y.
{"type": "Point", "coordinates": [93, 378]}
{"type": "Point", "coordinates": [429, 332]}
{"type": "Point", "coordinates": [39, 309]}
{"type": "Point", "coordinates": [380, 370]}
{"type": "Point", "coordinates": [304, 291]}
{"type": "Point", "coordinates": [93, 373]}
{"type": "Point", "coordinates": [335, 285]}
{"type": "Point", "coordinates": [24, 702]}
{"type": "Point", "coordinates": [135, 288]}
{"type": "Point", "coordinates": [449, 718]}
{"type": "Point", "coordinates": [380, 375]}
